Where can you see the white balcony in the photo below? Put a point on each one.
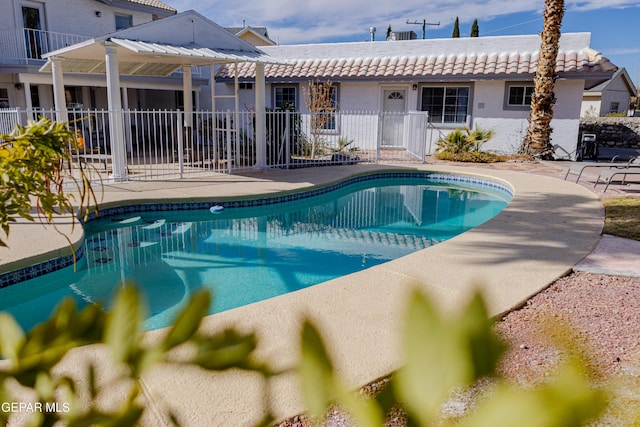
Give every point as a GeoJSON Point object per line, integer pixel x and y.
{"type": "Point", "coordinates": [26, 46]}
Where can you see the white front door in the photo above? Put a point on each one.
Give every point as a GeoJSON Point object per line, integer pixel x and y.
{"type": "Point", "coordinates": [394, 107]}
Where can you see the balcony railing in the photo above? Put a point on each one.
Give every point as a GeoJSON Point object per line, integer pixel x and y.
{"type": "Point", "coordinates": [25, 45]}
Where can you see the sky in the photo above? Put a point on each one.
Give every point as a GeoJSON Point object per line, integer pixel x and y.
{"type": "Point", "coordinates": [613, 23]}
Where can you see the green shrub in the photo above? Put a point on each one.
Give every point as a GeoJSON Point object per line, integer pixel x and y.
{"type": "Point", "coordinates": [463, 145]}
{"type": "Point", "coordinates": [35, 165]}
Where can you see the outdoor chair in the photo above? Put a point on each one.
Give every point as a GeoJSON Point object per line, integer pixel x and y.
{"type": "Point", "coordinates": [607, 176]}
{"type": "Point", "coordinates": [579, 168]}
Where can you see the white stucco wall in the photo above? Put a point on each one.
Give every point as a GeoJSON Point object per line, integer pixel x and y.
{"type": "Point", "coordinates": [487, 110]}
{"type": "Point", "coordinates": [72, 16]}
{"type": "Point", "coordinates": [510, 126]}
{"type": "Point", "coordinates": [590, 106]}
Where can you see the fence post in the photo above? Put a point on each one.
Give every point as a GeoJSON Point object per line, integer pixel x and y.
{"type": "Point", "coordinates": [228, 125]}
{"type": "Point", "coordinates": [287, 138]}
{"type": "Point", "coordinates": [379, 137]}
{"type": "Point", "coordinates": [180, 132]}
{"type": "Point", "coordinates": [425, 126]}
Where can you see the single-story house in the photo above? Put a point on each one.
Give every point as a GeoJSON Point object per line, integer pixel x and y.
{"type": "Point", "coordinates": [481, 81]}
{"type": "Point", "coordinates": [611, 96]}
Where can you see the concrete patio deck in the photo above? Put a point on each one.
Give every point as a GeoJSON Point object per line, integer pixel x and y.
{"type": "Point", "coordinates": [548, 228]}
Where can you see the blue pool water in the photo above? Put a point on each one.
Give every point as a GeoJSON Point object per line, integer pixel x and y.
{"type": "Point", "coordinates": [248, 254]}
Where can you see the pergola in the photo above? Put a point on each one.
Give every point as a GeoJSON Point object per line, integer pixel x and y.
{"type": "Point", "coordinates": [158, 49]}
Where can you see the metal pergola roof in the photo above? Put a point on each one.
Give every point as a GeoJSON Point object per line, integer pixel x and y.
{"type": "Point", "coordinates": [140, 58]}
{"type": "Point", "coordinates": [160, 48]}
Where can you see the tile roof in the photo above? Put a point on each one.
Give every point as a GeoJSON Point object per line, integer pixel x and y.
{"type": "Point", "coordinates": [154, 3]}
{"type": "Point", "coordinates": [412, 65]}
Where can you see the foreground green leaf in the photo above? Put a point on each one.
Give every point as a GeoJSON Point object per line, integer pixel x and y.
{"type": "Point", "coordinates": [188, 320]}
{"type": "Point", "coordinates": [124, 324]}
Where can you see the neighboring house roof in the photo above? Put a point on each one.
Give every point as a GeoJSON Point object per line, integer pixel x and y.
{"type": "Point", "coordinates": [157, 49]}
{"type": "Point", "coordinates": [258, 30]}
{"type": "Point", "coordinates": [153, 3]}
{"type": "Point", "coordinates": [260, 33]}
{"type": "Point", "coordinates": [620, 74]}
{"type": "Point", "coordinates": [156, 4]}
{"type": "Point", "coordinates": [461, 58]}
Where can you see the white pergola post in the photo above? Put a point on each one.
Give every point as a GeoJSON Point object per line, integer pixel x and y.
{"type": "Point", "coordinates": [214, 117]}
{"type": "Point", "coordinates": [187, 95]}
{"type": "Point", "coordinates": [58, 90]}
{"type": "Point", "coordinates": [116, 123]}
{"type": "Point", "coordinates": [261, 119]}
{"type": "Point", "coordinates": [212, 84]}
{"type": "Point", "coordinates": [187, 100]}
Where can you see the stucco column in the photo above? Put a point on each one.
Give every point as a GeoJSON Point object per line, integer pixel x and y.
{"type": "Point", "coordinates": [27, 100]}
{"type": "Point", "coordinates": [58, 90]}
{"type": "Point", "coordinates": [116, 123]}
{"type": "Point", "coordinates": [261, 119]}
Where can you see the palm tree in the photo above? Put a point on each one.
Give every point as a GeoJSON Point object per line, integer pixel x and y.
{"type": "Point", "coordinates": [537, 142]}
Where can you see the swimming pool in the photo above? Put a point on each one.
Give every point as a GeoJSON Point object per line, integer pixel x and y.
{"type": "Point", "coordinates": [254, 250]}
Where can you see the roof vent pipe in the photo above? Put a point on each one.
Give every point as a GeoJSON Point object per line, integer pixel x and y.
{"type": "Point", "coordinates": [372, 31]}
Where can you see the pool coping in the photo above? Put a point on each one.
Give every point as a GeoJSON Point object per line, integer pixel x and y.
{"type": "Point", "coordinates": [549, 226]}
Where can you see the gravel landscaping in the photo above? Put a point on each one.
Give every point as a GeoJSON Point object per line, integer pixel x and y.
{"type": "Point", "coordinates": [603, 312]}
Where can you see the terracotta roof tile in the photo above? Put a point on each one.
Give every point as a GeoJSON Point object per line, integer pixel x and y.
{"type": "Point", "coordinates": [414, 66]}
{"type": "Point", "coordinates": [154, 3]}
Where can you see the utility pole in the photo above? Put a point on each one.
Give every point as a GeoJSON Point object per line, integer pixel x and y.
{"type": "Point", "coordinates": [424, 24]}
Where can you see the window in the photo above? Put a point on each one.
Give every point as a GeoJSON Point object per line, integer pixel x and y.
{"type": "Point", "coordinates": [244, 85]}
{"type": "Point", "coordinates": [330, 123]}
{"type": "Point", "coordinates": [284, 97]}
{"type": "Point", "coordinates": [448, 104]}
{"type": "Point", "coordinates": [321, 99]}
{"type": "Point", "coordinates": [123, 21]}
{"type": "Point", "coordinates": [179, 95]}
{"type": "Point", "coordinates": [4, 98]}
{"type": "Point", "coordinates": [520, 95]}
{"type": "Point", "coordinates": [517, 96]}
{"type": "Point", "coordinates": [35, 97]}
{"type": "Point", "coordinates": [613, 107]}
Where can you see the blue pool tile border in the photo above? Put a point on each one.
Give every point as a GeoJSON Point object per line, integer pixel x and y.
{"type": "Point", "coordinates": [36, 270]}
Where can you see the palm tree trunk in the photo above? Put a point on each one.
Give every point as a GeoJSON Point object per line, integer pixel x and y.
{"type": "Point", "coordinates": [537, 142]}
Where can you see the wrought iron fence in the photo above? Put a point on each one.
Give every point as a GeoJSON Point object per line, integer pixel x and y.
{"type": "Point", "coordinates": [166, 144]}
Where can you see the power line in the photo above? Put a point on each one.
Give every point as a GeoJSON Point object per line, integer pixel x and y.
{"type": "Point", "coordinates": [511, 26]}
